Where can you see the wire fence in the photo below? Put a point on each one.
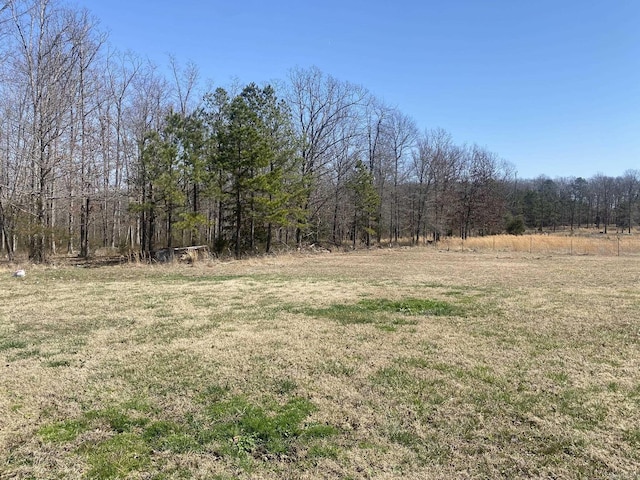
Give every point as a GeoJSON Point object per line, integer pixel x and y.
{"type": "Point", "coordinates": [610, 245]}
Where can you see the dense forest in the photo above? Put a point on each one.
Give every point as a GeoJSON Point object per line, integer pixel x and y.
{"type": "Point", "coordinates": [98, 149]}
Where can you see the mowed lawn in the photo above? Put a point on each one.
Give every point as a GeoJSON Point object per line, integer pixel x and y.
{"type": "Point", "coordinates": [403, 363]}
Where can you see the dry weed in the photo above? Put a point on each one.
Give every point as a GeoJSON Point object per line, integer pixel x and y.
{"type": "Point", "coordinates": [557, 244]}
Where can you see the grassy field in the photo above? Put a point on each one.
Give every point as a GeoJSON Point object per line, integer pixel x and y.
{"type": "Point", "coordinates": [404, 363]}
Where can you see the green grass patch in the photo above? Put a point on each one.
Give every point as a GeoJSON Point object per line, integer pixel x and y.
{"type": "Point", "coordinates": [169, 436]}
{"type": "Point", "coordinates": [319, 430]}
{"type": "Point", "coordinates": [65, 431]}
{"type": "Point", "coordinates": [559, 377]}
{"type": "Point", "coordinates": [58, 363]}
{"type": "Point", "coordinates": [410, 306]}
{"type": "Point", "coordinates": [241, 427]}
{"type": "Point", "coordinates": [385, 312]}
{"type": "Point", "coordinates": [24, 354]}
{"type": "Point", "coordinates": [324, 451]}
{"type": "Point", "coordinates": [285, 386]}
{"type": "Point", "coordinates": [344, 314]}
{"type": "Point", "coordinates": [585, 412]}
{"type": "Point", "coordinates": [118, 419]}
{"type": "Point", "coordinates": [11, 343]}
{"type": "Point", "coordinates": [213, 393]}
{"type": "Point", "coordinates": [117, 457]}
{"type": "Point", "coordinates": [230, 426]}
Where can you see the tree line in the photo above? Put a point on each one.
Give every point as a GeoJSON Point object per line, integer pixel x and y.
{"type": "Point", "coordinates": [98, 148]}
{"type": "Point", "coordinates": [601, 202]}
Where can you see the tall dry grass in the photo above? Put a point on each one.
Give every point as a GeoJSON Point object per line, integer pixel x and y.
{"type": "Point", "coordinates": [560, 244]}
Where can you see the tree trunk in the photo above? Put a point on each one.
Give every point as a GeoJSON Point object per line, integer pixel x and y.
{"type": "Point", "coordinates": [238, 222]}
{"type": "Point", "coordinates": [84, 228]}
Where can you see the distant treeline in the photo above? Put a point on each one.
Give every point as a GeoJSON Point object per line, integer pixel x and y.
{"type": "Point", "coordinates": [99, 149]}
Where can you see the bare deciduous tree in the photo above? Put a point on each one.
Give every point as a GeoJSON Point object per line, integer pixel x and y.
{"type": "Point", "coordinates": [185, 81]}
{"type": "Point", "coordinates": [319, 104]}
{"type": "Point", "coordinates": [50, 48]}
{"type": "Point", "coordinates": [401, 135]}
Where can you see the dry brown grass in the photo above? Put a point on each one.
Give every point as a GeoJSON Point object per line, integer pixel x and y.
{"type": "Point", "coordinates": [580, 243]}
{"type": "Point", "coordinates": [537, 374]}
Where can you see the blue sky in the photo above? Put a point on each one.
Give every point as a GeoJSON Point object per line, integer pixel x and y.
{"type": "Point", "coordinates": [551, 86]}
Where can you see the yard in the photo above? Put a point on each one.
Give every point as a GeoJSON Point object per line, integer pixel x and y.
{"type": "Point", "coordinates": [390, 363]}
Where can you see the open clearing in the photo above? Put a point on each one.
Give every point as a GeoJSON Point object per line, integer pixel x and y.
{"type": "Point", "coordinates": [405, 363]}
